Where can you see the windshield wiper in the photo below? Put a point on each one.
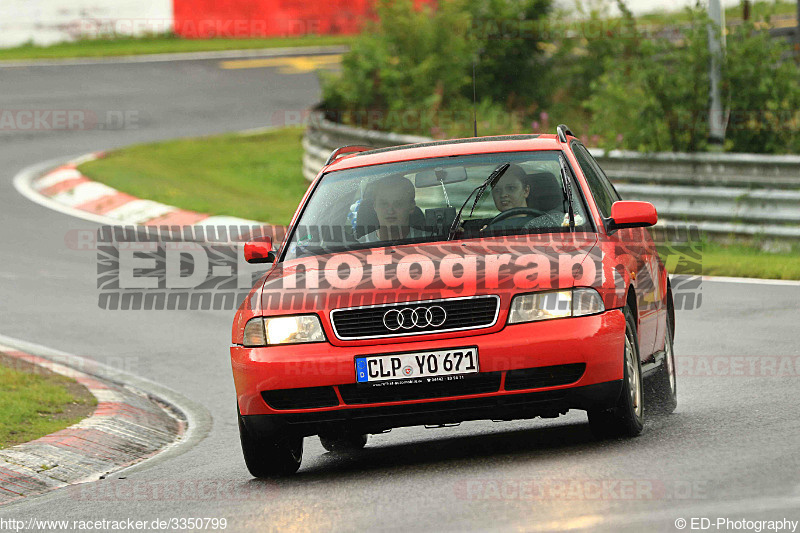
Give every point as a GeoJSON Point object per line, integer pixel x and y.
{"type": "Point", "coordinates": [567, 189]}
{"type": "Point", "coordinates": [492, 180]}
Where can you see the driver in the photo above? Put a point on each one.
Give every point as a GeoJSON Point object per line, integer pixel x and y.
{"type": "Point", "coordinates": [512, 191]}
{"type": "Point", "coordinates": [394, 205]}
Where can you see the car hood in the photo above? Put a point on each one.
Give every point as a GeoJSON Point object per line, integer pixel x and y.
{"type": "Point", "coordinates": [503, 266]}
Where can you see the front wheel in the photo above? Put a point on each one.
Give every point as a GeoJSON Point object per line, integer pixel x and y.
{"type": "Point", "coordinates": [662, 390]}
{"type": "Point", "coordinates": [626, 419]}
{"type": "Point", "coordinates": [268, 454]}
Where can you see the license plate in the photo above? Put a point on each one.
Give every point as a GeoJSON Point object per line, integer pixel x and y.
{"type": "Point", "coordinates": [417, 365]}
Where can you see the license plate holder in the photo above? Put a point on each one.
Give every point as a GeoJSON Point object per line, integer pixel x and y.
{"type": "Point", "coordinates": [417, 367]}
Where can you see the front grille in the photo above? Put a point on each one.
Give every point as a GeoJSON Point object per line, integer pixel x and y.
{"type": "Point", "coordinates": [355, 394]}
{"type": "Point", "coordinates": [305, 398]}
{"type": "Point", "coordinates": [544, 376]}
{"type": "Point", "coordinates": [432, 316]}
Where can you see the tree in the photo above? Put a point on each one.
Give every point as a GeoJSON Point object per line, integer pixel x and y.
{"type": "Point", "coordinates": [411, 70]}
{"type": "Point", "coordinates": [763, 93]}
{"type": "Point", "coordinates": [511, 65]}
{"type": "Point", "coordinates": [657, 98]}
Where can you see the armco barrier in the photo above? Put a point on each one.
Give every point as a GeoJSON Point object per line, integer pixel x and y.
{"type": "Point", "coordinates": [725, 195]}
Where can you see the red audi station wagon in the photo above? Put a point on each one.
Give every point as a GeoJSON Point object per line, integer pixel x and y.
{"type": "Point", "coordinates": [493, 278]}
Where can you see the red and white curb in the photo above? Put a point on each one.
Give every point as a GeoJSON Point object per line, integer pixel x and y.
{"type": "Point", "coordinates": [65, 189]}
{"type": "Point", "coordinates": [128, 426]}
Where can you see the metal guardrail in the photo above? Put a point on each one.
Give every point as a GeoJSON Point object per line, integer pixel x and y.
{"type": "Point", "coordinates": [323, 137]}
{"type": "Point", "coordinates": [725, 195]}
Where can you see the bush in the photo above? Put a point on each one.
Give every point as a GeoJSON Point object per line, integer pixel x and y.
{"type": "Point", "coordinates": [411, 70]}
{"type": "Point", "coordinates": [511, 68]}
{"type": "Point", "coordinates": [581, 51]}
{"type": "Point", "coordinates": [656, 98]}
{"type": "Point", "coordinates": [405, 68]}
{"type": "Point", "coordinates": [762, 92]}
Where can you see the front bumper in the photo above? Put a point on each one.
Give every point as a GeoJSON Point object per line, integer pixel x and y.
{"type": "Point", "coordinates": [488, 407]}
{"type": "Point", "coordinates": [596, 341]}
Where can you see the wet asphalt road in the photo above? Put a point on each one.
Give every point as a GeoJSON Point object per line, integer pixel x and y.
{"type": "Point", "coordinates": [732, 449]}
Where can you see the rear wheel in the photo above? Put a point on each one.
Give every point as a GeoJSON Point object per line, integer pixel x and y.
{"type": "Point", "coordinates": [268, 454]}
{"type": "Point", "coordinates": [626, 419]}
{"type": "Point", "coordinates": [343, 442]}
{"type": "Point", "coordinates": [662, 389]}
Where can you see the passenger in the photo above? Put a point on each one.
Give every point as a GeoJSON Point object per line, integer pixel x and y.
{"type": "Point", "coordinates": [394, 205]}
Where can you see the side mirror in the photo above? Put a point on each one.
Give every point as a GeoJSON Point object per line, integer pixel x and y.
{"type": "Point", "coordinates": [631, 215]}
{"type": "Point", "coordinates": [259, 251]}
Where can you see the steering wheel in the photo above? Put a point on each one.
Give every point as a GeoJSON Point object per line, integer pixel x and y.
{"type": "Point", "coordinates": [516, 211]}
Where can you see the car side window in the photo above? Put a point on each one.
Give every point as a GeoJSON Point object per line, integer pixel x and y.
{"type": "Point", "coordinates": [607, 182]}
{"type": "Point", "coordinates": [601, 194]}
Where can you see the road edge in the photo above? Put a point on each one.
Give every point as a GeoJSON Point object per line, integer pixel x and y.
{"type": "Point", "coordinates": [58, 185]}
{"type": "Point", "coordinates": [288, 51]}
{"type": "Point", "coordinates": [196, 420]}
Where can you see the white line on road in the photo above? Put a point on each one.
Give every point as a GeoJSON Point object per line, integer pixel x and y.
{"type": "Point", "coordinates": [724, 279]}
{"type": "Point", "coordinates": [755, 281]}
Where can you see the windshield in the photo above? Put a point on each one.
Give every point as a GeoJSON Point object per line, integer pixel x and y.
{"type": "Point", "coordinates": [417, 201]}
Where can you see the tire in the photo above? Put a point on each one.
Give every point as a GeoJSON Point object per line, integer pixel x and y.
{"type": "Point", "coordinates": [268, 454]}
{"type": "Point", "coordinates": [626, 419]}
{"type": "Point", "coordinates": [662, 388]}
{"type": "Point", "coordinates": [343, 443]}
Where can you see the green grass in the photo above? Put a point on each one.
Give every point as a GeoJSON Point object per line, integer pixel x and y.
{"type": "Point", "coordinates": [121, 46]}
{"type": "Point", "coordinates": [736, 260]}
{"type": "Point", "coordinates": [32, 405]}
{"type": "Point", "coordinates": [744, 261]}
{"type": "Point", "coordinates": [256, 177]}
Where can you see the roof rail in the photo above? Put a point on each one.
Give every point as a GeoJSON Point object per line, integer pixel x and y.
{"type": "Point", "coordinates": [563, 130]}
{"type": "Point", "coordinates": [344, 150]}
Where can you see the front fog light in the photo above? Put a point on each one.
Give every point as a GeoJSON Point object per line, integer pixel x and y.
{"type": "Point", "coordinates": [554, 304]}
{"type": "Point", "coordinates": [294, 329]}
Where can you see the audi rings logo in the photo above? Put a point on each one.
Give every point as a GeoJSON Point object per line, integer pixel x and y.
{"type": "Point", "coordinates": [414, 317]}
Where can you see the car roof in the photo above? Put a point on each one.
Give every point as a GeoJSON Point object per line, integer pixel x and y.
{"type": "Point", "coordinates": [453, 147]}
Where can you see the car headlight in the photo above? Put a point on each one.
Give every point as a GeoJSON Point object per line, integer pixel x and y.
{"type": "Point", "coordinates": [554, 304]}
{"type": "Point", "coordinates": [297, 329]}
